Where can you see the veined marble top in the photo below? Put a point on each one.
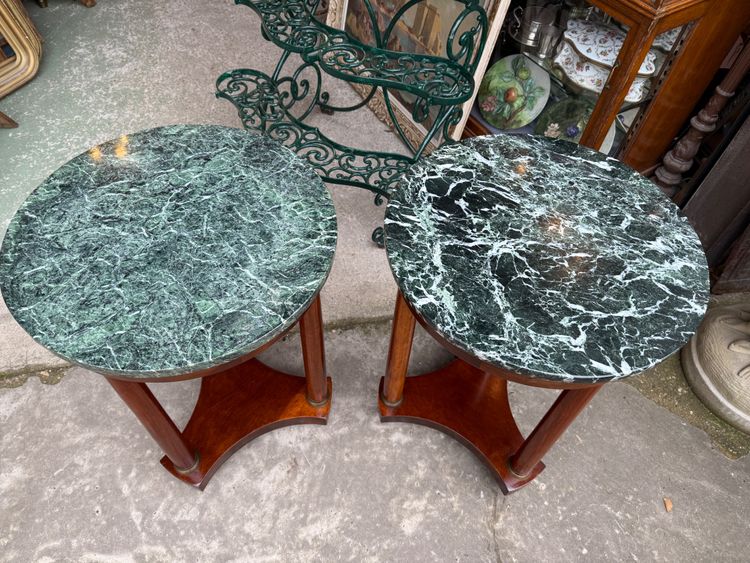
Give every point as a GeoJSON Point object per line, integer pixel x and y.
{"type": "Point", "coordinates": [168, 251]}
{"type": "Point", "coordinates": [546, 258]}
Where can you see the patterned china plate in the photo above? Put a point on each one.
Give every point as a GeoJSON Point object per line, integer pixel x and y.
{"type": "Point", "coordinates": [665, 41]}
{"type": "Point", "coordinates": [600, 44]}
{"type": "Point", "coordinates": [591, 77]}
{"type": "Point", "coordinates": [567, 120]}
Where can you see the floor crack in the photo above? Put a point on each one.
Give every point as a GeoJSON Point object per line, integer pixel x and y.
{"type": "Point", "coordinates": [498, 501]}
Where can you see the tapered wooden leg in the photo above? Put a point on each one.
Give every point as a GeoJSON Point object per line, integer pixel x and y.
{"type": "Point", "coordinates": [402, 335]}
{"type": "Point", "coordinates": [313, 354]}
{"type": "Point", "coordinates": [560, 415]}
{"type": "Point", "coordinates": [155, 419]}
{"type": "Point", "coordinates": [235, 406]}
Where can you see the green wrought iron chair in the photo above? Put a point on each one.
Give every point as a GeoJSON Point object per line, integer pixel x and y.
{"type": "Point", "coordinates": [279, 105]}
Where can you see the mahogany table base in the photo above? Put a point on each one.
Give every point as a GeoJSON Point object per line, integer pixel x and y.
{"type": "Point", "coordinates": [238, 405]}
{"type": "Point", "coordinates": [470, 405]}
{"type": "Point", "coordinates": [233, 408]}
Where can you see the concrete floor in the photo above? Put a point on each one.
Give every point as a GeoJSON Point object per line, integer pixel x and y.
{"type": "Point", "coordinates": [81, 481]}
{"type": "Point", "coordinates": [80, 478]}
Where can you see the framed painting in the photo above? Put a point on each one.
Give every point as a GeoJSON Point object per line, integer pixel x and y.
{"type": "Point", "coordinates": [425, 28]}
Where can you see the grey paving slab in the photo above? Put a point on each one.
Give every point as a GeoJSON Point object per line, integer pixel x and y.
{"type": "Point", "coordinates": [80, 480]}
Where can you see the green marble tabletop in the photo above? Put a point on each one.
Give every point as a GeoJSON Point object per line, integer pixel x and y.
{"type": "Point", "coordinates": [169, 251]}
{"type": "Point", "coordinates": [546, 258]}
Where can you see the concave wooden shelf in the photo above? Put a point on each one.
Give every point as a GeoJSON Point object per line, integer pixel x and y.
{"type": "Point", "coordinates": [238, 405]}
{"type": "Point", "coordinates": [471, 406]}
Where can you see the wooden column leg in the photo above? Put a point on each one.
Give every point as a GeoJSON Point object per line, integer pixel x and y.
{"type": "Point", "coordinates": [399, 351]}
{"type": "Point", "coordinates": [154, 418]}
{"type": "Point", "coordinates": [313, 354]}
{"type": "Point", "coordinates": [560, 415]}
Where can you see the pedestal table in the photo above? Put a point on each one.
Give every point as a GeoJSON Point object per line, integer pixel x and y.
{"type": "Point", "coordinates": [175, 253]}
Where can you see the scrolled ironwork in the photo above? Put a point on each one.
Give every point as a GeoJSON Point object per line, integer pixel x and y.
{"type": "Point", "coordinates": [278, 106]}
{"type": "Point", "coordinates": [289, 24]}
{"type": "Point", "coordinates": [254, 94]}
{"type": "Point", "coordinates": [470, 41]}
{"type": "Point", "coordinates": [433, 78]}
{"type": "Point", "coordinates": [452, 119]}
{"type": "Point", "coordinates": [259, 105]}
{"type": "Point", "coordinates": [294, 88]}
{"type": "Point", "coordinates": [378, 236]}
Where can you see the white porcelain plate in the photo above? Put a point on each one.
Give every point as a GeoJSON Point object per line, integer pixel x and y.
{"type": "Point", "coordinates": [665, 41]}
{"type": "Point", "coordinates": [592, 77]}
{"type": "Point", "coordinates": [600, 43]}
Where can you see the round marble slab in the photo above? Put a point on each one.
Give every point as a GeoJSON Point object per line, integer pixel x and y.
{"type": "Point", "coordinates": [545, 258]}
{"type": "Point", "coordinates": [169, 251]}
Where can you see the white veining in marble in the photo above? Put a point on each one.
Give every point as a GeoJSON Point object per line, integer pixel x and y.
{"type": "Point", "coordinates": [546, 258]}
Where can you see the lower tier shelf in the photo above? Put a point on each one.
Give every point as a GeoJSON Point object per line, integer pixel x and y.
{"type": "Point", "coordinates": [238, 405]}
{"type": "Point", "coordinates": [471, 406]}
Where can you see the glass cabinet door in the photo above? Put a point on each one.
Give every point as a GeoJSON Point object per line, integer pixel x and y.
{"type": "Point", "coordinates": [553, 71]}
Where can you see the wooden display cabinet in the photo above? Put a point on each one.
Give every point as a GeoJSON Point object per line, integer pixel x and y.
{"type": "Point", "coordinates": [644, 20]}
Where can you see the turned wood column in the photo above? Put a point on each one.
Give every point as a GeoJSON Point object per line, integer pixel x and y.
{"type": "Point", "coordinates": [680, 159]}
{"type": "Point", "coordinates": [313, 353]}
{"type": "Point", "coordinates": [154, 418]}
{"type": "Point", "coordinates": [399, 351]}
{"type": "Point", "coordinates": [560, 415]}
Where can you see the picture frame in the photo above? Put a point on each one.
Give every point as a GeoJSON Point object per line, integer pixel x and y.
{"type": "Point", "coordinates": [496, 10]}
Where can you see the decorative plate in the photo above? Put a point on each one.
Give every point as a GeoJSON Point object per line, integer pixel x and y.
{"type": "Point", "coordinates": [567, 120]}
{"type": "Point", "coordinates": [626, 118]}
{"type": "Point", "coordinates": [588, 76]}
{"type": "Point", "coordinates": [513, 92]}
{"type": "Point", "coordinates": [600, 43]}
{"type": "Point", "coordinates": [665, 41]}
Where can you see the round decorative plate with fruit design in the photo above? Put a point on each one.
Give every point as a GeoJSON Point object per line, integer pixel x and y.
{"type": "Point", "coordinates": [513, 92]}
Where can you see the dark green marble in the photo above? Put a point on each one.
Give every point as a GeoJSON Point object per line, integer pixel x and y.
{"type": "Point", "coordinates": [546, 258]}
{"type": "Point", "coordinates": [169, 251]}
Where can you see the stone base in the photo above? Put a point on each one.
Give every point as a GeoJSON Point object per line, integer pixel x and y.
{"type": "Point", "coordinates": [716, 363]}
